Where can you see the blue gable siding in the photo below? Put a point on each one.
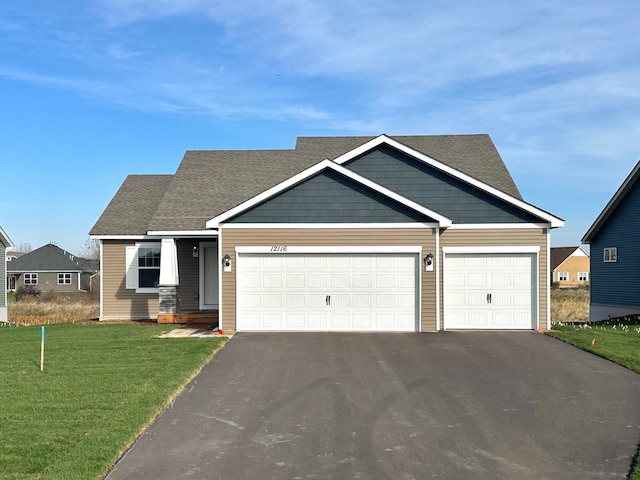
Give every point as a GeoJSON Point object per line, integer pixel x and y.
{"type": "Point", "coordinates": [618, 283]}
{"type": "Point", "coordinates": [330, 197]}
{"type": "Point", "coordinates": [434, 189]}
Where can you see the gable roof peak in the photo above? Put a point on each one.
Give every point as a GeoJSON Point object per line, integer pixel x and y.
{"type": "Point", "coordinates": [611, 206]}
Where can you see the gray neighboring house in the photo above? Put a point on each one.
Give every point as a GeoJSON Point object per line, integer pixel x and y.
{"type": "Point", "coordinates": [402, 233]}
{"type": "Point", "coordinates": [5, 243]}
{"type": "Point", "coordinates": [615, 253]}
{"type": "Point", "coordinates": [50, 268]}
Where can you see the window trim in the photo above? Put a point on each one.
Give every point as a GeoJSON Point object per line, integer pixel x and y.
{"type": "Point", "coordinates": [32, 276]}
{"type": "Point", "coordinates": [131, 267]}
{"type": "Point", "coordinates": [65, 276]}
{"type": "Point", "coordinates": [610, 255]}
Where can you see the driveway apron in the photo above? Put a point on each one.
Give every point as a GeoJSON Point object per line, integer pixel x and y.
{"type": "Point", "coordinates": [454, 405]}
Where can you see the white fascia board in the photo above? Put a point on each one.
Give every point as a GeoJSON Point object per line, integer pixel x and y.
{"type": "Point", "coordinates": [327, 225]}
{"type": "Point", "coordinates": [555, 222]}
{"type": "Point", "coordinates": [497, 226]}
{"type": "Point", "coordinates": [183, 233]}
{"type": "Point", "coordinates": [494, 249]}
{"type": "Point", "coordinates": [278, 250]}
{"type": "Point", "coordinates": [313, 170]}
{"type": "Point", "coordinates": [612, 204]}
{"type": "Point", "coordinates": [4, 238]}
{"type": "Point", "coordinates": [124, 237]}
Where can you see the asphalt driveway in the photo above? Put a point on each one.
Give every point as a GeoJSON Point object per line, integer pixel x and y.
{"type": "Point", "coordinates": [453, 405]}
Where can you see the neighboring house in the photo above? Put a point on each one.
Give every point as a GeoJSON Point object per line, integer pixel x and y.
{"type": "Point", "coordinates": [411, 233]}
{"type": "Point", "coordinates": [50, 268]}
{"type": "Point", "coordinates": [615, 253]}
{"type": "Point", "coordinates": [569, 267]}
{"type": "Point", "coordinates": [5, 243]}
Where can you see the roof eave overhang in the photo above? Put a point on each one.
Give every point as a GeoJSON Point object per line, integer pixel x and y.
{"type": "Point", "coordinates": [5, 240]}
{"type": "Point", "coordinates": [313, 170]}
{"type": "Point", "coordinates": [608, 210]}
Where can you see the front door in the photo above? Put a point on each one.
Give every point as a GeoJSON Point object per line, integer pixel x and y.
{"type": "Point", "coordinates": [209, 276]}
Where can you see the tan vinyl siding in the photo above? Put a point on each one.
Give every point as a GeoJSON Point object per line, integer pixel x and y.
{"type": "Point", "coordinates": [572, 265]}
{"type": "Point", "coordinates": [117, 301]}
{"type": "Point", "coordinates": [517, 237]}
{"type": "Point", "coordinates": [233, 237]}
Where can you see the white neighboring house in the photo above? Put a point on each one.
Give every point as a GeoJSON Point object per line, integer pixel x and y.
{"type": "Point", "coordinates": [5, 243]}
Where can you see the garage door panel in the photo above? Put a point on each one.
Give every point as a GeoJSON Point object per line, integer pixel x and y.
{"type": "Point", "coordinates": [489, 291]}
{"type": "Point", "coordinates": [327, 292]}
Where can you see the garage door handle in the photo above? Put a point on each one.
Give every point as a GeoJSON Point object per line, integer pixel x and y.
{"type": "Point", "coordinates": [327, 300]}
{"type": "Point", "coordinates": [488, 298]}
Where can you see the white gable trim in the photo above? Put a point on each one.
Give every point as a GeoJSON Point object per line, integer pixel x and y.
{"type": "Point", "coordinates": [313, 170]}
{"type": "Point", "coordinates": [383, 139]}
{"type": "Point", "coordinates": [613, 204]}
{"type": "Point", "coordinates": [5, 240]}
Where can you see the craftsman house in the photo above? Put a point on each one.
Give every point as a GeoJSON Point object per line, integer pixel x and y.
{"type": "Point", "coordinates": [569, 267]}
{"type": "Point", "coordinates": [5, 243]}
{"type": "Point", "coordinates": [615, 253]}
{"type": "Point", "coordinates": [50, 268]}
{"type": "Point", "coordinates": [403, 233]}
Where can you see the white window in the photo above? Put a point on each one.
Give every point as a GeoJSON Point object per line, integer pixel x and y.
{"type": "Point", "coordinates": [30, 278]}
{"type": "Point", "coordinates": [563, 276]}
{"type": "Point", "coordinates": [583, 276]}
{"type": "Point", "coordinates": [143, 267]}
{"type": "Point", "coordinates": [611, 254]}
{"type": "Point", "coordinates": [64, 279]}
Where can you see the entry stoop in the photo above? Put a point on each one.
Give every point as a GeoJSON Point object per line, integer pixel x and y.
{"type": "Point", "coordinates": [209, 318]}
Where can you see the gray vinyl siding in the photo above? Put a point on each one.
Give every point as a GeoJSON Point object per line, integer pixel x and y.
{"type": "Point", "coordinates": [188, 271]}
{"type": "Point", "coordinates": [330, 197]}
{"type": "Point", "coordinates": [436, 190]}
{"type": "Point", "coordinates": [3, 276]}
{"type": "Point", "coordinates": [523, 237]}
{"type": "Point", "coordinates": [118, 302]}
{"type": "Point", "coordinates": [48, 282]}
{"type": "Point", "coordinates": [618, 283]}
{"type": "Point", "coordinates": [233, 237]}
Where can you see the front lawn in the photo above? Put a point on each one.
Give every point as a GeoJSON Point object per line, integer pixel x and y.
{"type": "Point", "coordinates": [617, 340]}
{"type": "Point", "coordinates": [101, 385]}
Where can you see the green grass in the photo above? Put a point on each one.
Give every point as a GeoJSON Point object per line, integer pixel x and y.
{"type": "Point", "coordinates": [617, 340]}
{"type": "Point", "coordinates": [101, 385]}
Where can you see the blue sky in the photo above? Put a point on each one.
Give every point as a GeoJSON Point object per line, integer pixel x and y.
{"type": "Point", "coordinates": [93, 91]}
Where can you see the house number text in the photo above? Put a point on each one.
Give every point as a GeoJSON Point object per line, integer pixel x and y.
{"type": "Point", "coordinates": [279, 248]}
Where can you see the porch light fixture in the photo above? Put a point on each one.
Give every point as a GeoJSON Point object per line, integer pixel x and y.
{"type": "Point", "coordinates": [428, 262]}
{"type": "Point", "coordinates": [195, 248]}
{"type": "Point", "coordinates": [226, 263]}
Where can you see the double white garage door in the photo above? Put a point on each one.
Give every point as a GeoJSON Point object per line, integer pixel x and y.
{"type": "Point", "coordinates": [327, 292]}
{"type": "Point", "coordinates": [380, 292]}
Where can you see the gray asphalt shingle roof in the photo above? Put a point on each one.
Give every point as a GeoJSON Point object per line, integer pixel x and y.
{"type": "Point", "coordinates": [48, 258]}
{"type": "Point", "coordinates": [210, 182]}
{"type": "Point", "coordinates": [133, 206]}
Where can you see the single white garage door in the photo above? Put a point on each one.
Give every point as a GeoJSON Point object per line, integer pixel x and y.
{"type": "Point", "coordinates": [327, 292]}
{"type": "Point", "coordinates": [490, 291]}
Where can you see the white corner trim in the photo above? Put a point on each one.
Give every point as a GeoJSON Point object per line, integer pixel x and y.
{"type": "Point", "coordinates": [493, 249]}
{"type": "Point", "coordinates": [313, 170]}
{"type": "Point", "coordinates": [555, 222]}
{"type": "Point", "coordinates": [285, 249]}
